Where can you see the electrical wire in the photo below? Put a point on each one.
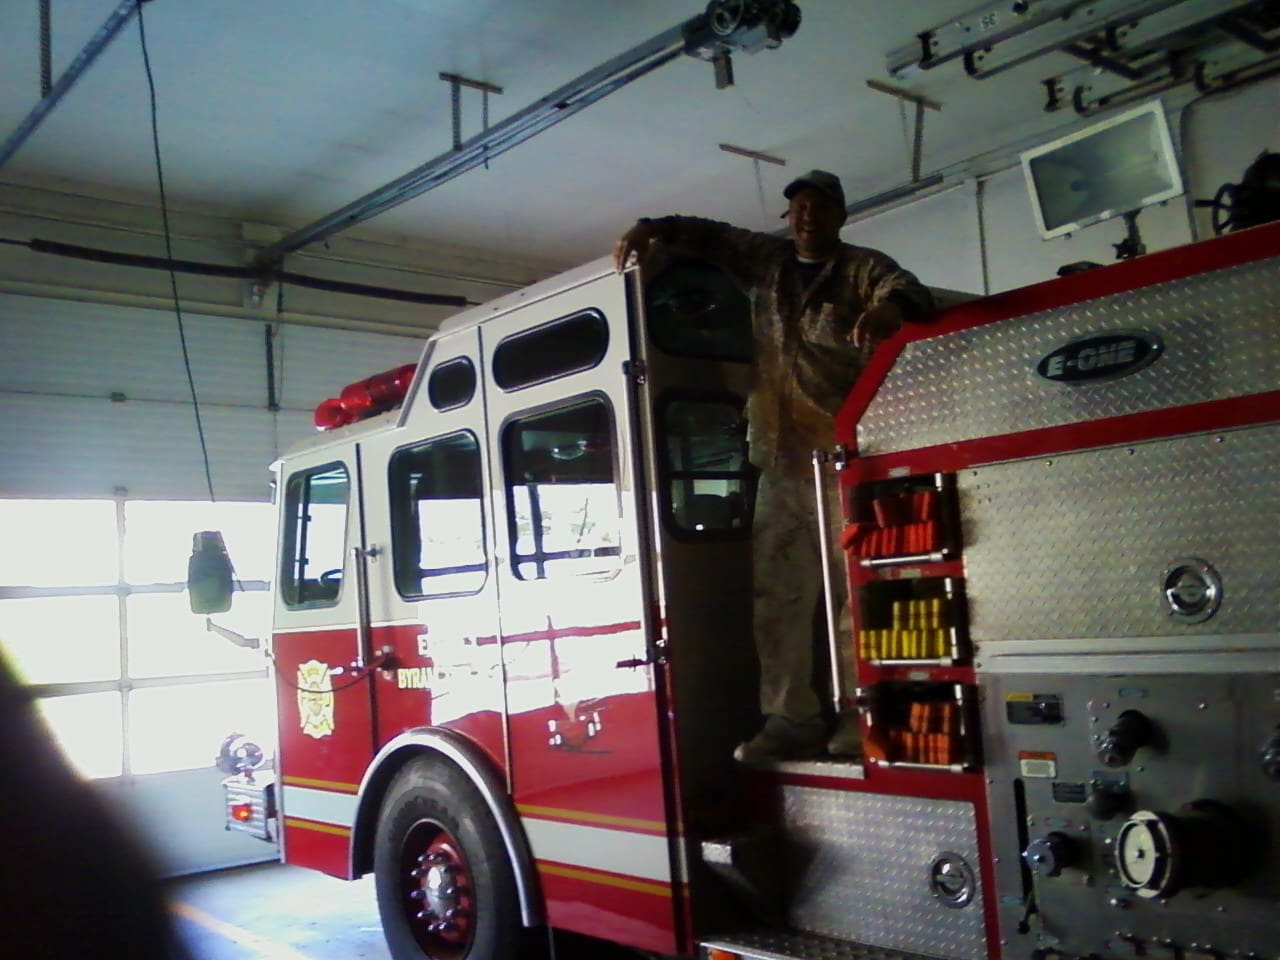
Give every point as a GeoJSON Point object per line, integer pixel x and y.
{"type": "Point", "coordinates": [168, 249]}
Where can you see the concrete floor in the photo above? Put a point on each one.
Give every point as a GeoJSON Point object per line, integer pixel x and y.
{"type": "Point", "coordinates": [278, 912]}
{"type": "Point", "coordinates": [271, 911]}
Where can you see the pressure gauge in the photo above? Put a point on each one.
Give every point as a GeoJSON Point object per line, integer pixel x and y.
{"type": "Point", "coordinates": [1146, 854]}
{"type": "Point", "coordinates": [1206, 844]}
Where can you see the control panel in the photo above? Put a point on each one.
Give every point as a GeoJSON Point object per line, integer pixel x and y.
{"type": "Point", "coordinates": [1144, 828]}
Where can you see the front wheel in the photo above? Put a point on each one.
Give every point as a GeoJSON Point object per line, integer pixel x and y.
{"type": "Point", "coordinates": [445, 886]}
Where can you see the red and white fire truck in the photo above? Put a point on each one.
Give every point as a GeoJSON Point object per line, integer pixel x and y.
{"type": "Point", "coordinates": [512, 645]}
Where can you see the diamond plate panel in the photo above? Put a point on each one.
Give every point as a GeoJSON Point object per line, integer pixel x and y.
{"type": "Point", "coordinates": [1077, 546]}
{"type": "Point", "coordinates": [1219, 332]}
{"type": "Point", "coordinates": [859, 868]}
{"type": "Point", "coordinates": [778, 945]}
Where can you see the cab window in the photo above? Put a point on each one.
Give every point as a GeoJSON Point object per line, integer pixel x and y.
{"type": "Point", "coordinates": [564, 346]}
{"type": "Point", "coordinates": [694, 309]}
{"type": "Point", "coordinates": [563, 505]}
{"type": "Point", "coordinates": [452, 384]}
{"type": "Point", "coordinates": [314, 536]}
{"type": "Point", "coordinates": [437, 531]}
{"type": "Point", "coordinates": [710, 485]}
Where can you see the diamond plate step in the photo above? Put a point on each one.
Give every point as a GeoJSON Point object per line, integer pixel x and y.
{"type": "Point", "coordinates": [783, 945]}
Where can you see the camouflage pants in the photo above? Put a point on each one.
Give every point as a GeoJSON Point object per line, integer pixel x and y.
{"type": "Point", "coordinates": [788, 595]}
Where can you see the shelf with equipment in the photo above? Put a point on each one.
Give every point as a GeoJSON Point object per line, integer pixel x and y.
{"type": "Point", "coordinates": [921, 725]}
{"type": "Point", "coordinates": [901, 521]}
{"type": "Point", "coordinates": [914, 657]}
{"type": "Point", "coordinates": [914, 622]}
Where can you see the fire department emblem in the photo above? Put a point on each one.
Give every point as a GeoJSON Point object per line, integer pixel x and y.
{"type": "Point", "coordinates": [315, 699]}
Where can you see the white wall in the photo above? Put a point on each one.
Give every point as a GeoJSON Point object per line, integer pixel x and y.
{"type": "Point", "coordinates": [1224, 134]}
{"type": "Point", "coordinates": [949, 220]}
{"type": "Point", "coordinates": [938, 237]}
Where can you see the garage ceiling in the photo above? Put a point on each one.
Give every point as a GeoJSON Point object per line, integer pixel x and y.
{"type": "Point", "coordinates": [282, 111]}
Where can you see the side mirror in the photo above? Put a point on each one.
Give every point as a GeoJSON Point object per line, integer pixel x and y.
{"type": "Point", "coordinates": [209, 574]}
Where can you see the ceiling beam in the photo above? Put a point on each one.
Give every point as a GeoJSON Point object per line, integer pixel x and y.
{"type": "Point", "coordinates": [725, 26]}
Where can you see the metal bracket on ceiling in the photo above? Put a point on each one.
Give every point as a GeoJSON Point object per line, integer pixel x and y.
{"type": "Point", "coordinates": [1001, 35]}
{"type": "Point", "coordinates": [984, 27]}
{"type": "Point", "coordinates": [755, 155]}
{"type": "Point", "coordinates": [921, 104]}
{"type": "Point", "coordinates": [1215, 47]}
{"type": "Point", "coordinates": [1080, 24]}
{"type": "Point", "coordinates": [756, 158]}
{"type": "Point", "coordinates": [456, 83]}
{"type": "Point", "coordinates": [1129, 48]}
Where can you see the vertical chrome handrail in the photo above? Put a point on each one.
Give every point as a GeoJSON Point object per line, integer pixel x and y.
{"type": "Point", "coordinates": [821, 457]}
{"type": "Point", "coordinates": [364, 655]}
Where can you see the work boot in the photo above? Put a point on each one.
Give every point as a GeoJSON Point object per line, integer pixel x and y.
{"type": "Point", "coordinates": [783, 739]}
{"type": "Point", "coordinates": [846, 739]}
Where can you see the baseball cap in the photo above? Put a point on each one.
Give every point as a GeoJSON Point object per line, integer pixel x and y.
{"type": "Point", "coordinates": [820, 180]}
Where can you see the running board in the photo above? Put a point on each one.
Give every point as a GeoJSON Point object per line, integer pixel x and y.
{"type": "Point", "coordinates": [780, 945]}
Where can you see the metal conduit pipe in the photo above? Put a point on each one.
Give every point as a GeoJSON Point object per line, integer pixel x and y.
{"type": "Point", "coordinates": [322, 255]}
{"type": "Point", "coordinates": [266, 276]}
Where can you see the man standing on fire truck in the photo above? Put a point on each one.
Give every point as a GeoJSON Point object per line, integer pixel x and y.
{"type": "Point", "coordinates": [820, 307]}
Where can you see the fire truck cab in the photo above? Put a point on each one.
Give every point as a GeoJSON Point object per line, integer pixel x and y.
{"type": "Point", "coordinates": [512, 643]}
{"type": "Point", "coordinates": [512, 634]}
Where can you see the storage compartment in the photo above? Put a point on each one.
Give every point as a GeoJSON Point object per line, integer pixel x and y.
{"type": "Point", "coordinates": [921, 725]}
{"type": "Point", "coordinates": [913, 622]}
{"type": "Point", "coordinates": [903, 520]}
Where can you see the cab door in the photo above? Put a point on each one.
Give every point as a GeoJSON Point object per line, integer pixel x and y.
{"type": "Point", "coordinates": [693, 335]}
{"type": "Point", "coordinates": [323, 689]}
{"type": "Point", "coordinates": [432, 594]}
{"type": "Point", "coordinates": [585, 693]}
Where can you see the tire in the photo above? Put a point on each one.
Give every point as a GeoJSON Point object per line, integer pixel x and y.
{"type": "Point", "coordinates": [438, 850]}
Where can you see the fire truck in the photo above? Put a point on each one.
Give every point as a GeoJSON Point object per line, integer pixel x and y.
{"type": "Point", "coordinates": [512, 643]}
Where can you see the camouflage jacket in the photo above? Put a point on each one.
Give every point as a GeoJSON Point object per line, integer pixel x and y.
{"type": "Point", "coordinates": [805, 363]}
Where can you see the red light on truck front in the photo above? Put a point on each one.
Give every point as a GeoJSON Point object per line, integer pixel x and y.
{"type": "Point", "coordinates": [365, 398]}
{"type": "Point", "coordinates": [241, 812]}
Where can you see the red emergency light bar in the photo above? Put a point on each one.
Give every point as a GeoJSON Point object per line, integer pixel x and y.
{"type": "Point", "coordinates": [365, 398]}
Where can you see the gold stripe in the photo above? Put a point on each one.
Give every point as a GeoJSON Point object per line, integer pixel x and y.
{"type": "Point", "coordinates": [317, 827]}
{"type": "Point", "coordinates": [322, 784]}
{"type": "Point", "coordinates": [590, 876]}
{"type": "Point", "coordinates": [581, 817]}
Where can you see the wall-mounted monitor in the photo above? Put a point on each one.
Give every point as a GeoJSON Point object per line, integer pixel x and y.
{"type": "Point", "coordinates": [1122, 164]}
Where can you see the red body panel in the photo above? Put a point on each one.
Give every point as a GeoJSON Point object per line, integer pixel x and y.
{"type": "Point", "coordinates": [325, 741]}
{"type": "Point", "coordinates": [609, 906]}
{"type": "Point", "coordinates": [593, 766]}
{"type": "Point", "coordinates": [404, 695]}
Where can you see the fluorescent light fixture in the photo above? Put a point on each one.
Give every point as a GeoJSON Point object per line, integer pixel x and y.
{"type": "Point", "coordinates": [1111, 168]}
